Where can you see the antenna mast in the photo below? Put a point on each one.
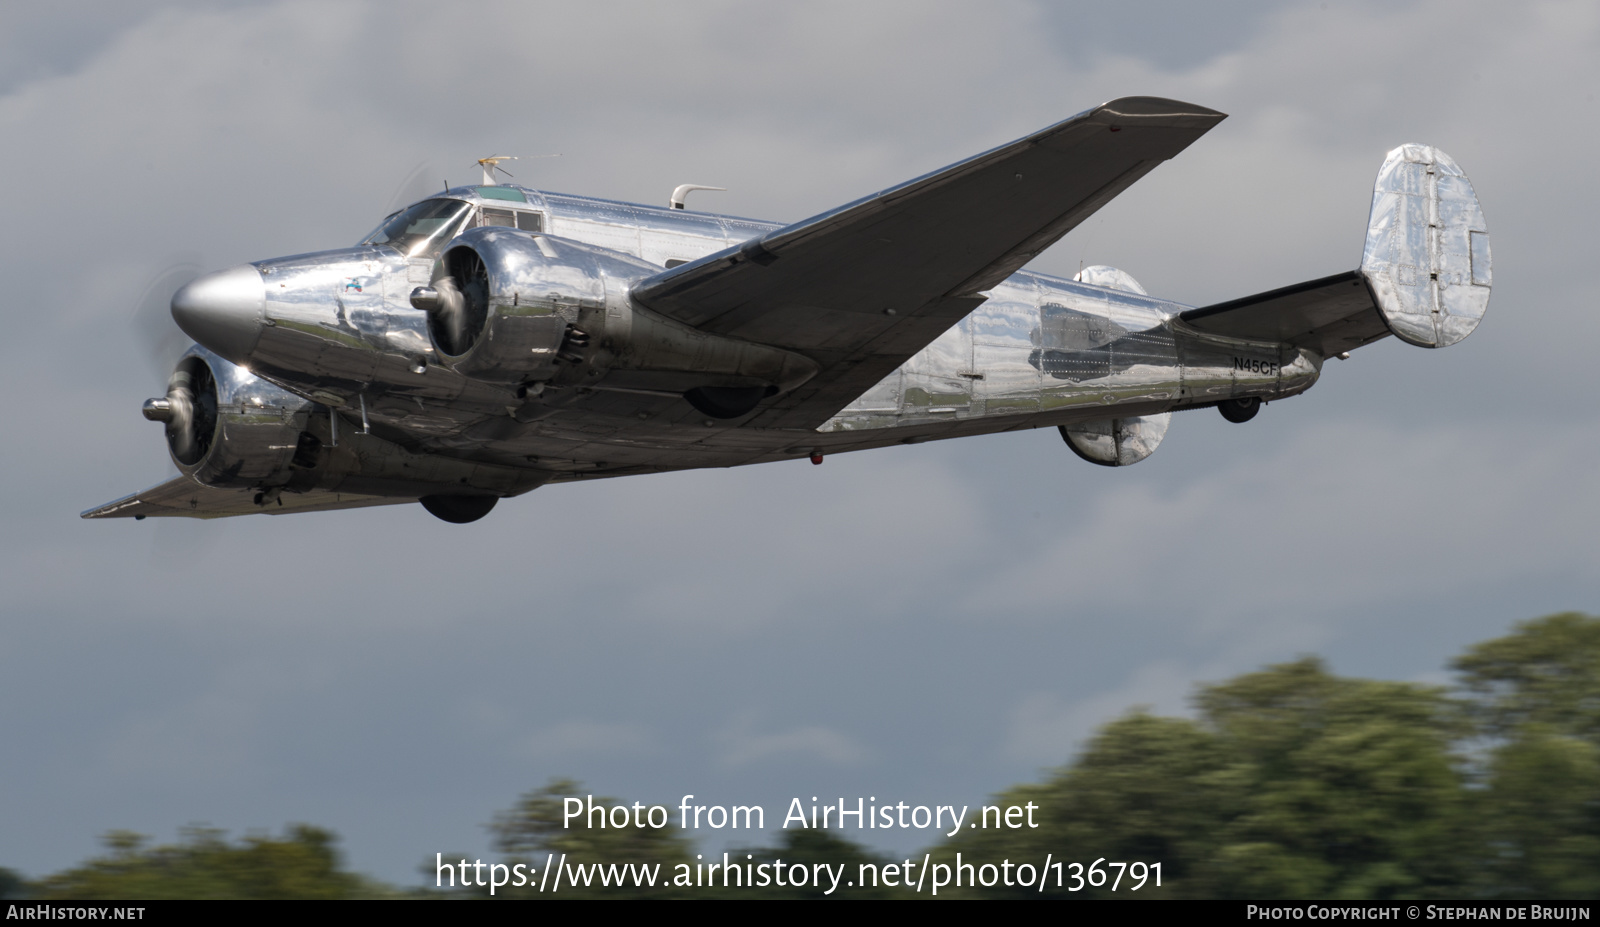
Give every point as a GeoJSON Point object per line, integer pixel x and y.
{"type": "Point", "coordinates": [492, 164]}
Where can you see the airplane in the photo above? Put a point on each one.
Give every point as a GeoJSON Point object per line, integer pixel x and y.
{"type": "Point", "coordinates": [494, 338]}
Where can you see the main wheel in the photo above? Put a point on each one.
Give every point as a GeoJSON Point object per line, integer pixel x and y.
{"type": "Point", "coordinates": [1239, 411]}
{"type": "Point", "coordinates": [459, 510]}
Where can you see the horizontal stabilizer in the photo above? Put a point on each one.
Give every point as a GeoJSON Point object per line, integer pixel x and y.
{"type": "Point", "coordinates": [183, 497]}
{"type": "Point", "coordinates": [1328, 316]}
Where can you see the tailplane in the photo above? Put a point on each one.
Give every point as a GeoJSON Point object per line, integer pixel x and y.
{"type": "Point", "coordinates": [1424, 274]}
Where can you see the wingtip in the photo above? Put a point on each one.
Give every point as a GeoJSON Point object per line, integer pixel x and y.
{"type": "Point", "coordinates": [1159, 110]}
{"type": "Point", "coordinates": [114, 509]}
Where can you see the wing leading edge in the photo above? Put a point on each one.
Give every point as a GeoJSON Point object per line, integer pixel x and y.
{"type": "Point", "coordinates": [862, 288]}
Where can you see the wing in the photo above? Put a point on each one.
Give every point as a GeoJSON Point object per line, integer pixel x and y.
{"type": "Point", "coordinates": [862, 288]}
{"type": "Point", "coordinates": [182, 496]}
{"type": "Point", "coordinates": [1329, 316]}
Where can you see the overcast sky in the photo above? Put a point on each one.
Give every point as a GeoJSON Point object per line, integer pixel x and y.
{"type": "Point", "coordinates": [929, 623]}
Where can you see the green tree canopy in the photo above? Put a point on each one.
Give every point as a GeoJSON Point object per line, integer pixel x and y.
{"type": "Point", "coordinates": [1535, 695]}
{"type": "Point", "coordinates": [1547, 672]}
{"type": "Point", "coordinates": [204, 864]}
{"type": "Point", "coordinates": [537, 828]}
{"type": "Point", "coordinates": [1292, 782]}
{"type": "Point", "coordinates": [1342, 788]}
{"type": "Point", "coordinates": [807, 846]}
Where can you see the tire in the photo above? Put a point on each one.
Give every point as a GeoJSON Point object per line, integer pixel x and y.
{"type": "Point", "coordinates": [458, 510]}
{"type": "Point", "coordinates": [1239, 411]}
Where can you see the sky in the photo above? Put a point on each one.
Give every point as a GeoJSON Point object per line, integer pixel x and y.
{"type": "Point", "coordinates": [930, 624]}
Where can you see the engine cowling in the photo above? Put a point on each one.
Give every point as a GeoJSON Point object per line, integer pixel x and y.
{"type": "Point", "coordinates": [1117, 442]}
{"type": "Point", "coordinates": [226, 427]}
{"type": "Point", "coordinates": [229, 428]}
{"type": "Point", "coordinates": [509, 307]}
{"type": "Point", "coordinates": [506, 306]}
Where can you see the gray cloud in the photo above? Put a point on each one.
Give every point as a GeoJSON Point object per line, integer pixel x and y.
{"type": "Point", "coordinates": [933, 622]}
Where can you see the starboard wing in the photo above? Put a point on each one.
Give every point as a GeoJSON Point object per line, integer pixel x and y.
{"type": "Point", "coordinates": [862, 288]}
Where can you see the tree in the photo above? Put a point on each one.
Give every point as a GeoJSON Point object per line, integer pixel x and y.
{"type": "Point", "coordinates": [1546, 672]}
{"type": "Point", "coordinates": [1344, 788]}
{"type": "Point", "coordinates": [1535, 695]}
{"type": "Point", "coordinates": [1145, 789]}
{"type": "Point", "coordinates": [1292, 783]}
{"type": "Point", "coordinates": [807, 846]}
{"type": "Point", "coordinates": [302, 864]}
{"type": "Point", "coordinates": [537, 829]}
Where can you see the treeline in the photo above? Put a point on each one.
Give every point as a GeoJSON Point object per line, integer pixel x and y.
{"type": "Point", "coordinates": [1289, 783]}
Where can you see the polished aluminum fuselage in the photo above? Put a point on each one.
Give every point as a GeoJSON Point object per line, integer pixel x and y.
{"type": "Point", "coordinates": [1041, 351]}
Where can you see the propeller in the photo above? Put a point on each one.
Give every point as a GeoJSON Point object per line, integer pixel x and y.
{"type": "Point", "coordinates": [163, 342]}
{"type": "Point", "coordinates": [188, 406]}
{"type": "Point", "coordinates": [449, 315]}
{"type": "Point", "coordinates": [423, 181]}
{"type": "Point", "coordinates": [189, 410]}
{"type": "Point", "coordinates": [457, 303]}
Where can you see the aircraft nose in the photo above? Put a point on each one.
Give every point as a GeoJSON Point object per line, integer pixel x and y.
{"type": "Point", "coordinates": [223, 310]}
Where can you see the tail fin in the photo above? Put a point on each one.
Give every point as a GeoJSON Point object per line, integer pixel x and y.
{"type": "Point", "coordinates": [1427, 253]}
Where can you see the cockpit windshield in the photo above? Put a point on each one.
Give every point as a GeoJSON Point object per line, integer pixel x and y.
{"type": "Point", "coordinates": [421, 229]}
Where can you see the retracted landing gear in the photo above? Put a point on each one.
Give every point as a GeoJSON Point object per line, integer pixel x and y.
{"type": "Point", "coordinates": [459, 510]}
{"type": "Point", "coordinates": [1239, 411]}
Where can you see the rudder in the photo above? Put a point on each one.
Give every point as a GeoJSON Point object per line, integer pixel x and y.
{"type": "Point", "coordinates": [1426, 259]}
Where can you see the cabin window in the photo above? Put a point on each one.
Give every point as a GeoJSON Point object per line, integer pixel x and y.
{"type": "Point", "coordinates": [510, 194]}
{"type": "Point", "coordinates": [513, 219]}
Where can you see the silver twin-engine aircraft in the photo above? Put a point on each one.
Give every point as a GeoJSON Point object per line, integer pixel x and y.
{"type": "Point", "coordinates": [494, 338]}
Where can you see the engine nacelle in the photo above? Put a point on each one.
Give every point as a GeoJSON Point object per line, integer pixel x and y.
{"type": "Point", "coordinates": [1117, 442]}
{"type": "Point", "coordinates": [229, 428]}
{"type": "Point", "coordinates": [506, 306]}
{"type": "Point", "coordinates": [226, 427]}
{"type": "Point", "coordinates": [509, 307]}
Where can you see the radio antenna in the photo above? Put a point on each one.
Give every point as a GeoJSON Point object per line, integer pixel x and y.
{"type": "Point", "coordinates": [682, 191]}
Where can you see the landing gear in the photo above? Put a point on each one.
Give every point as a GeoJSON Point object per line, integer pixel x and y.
{"type": "Point", "coordinates": [1239, 411]}
{"type": "Point", "coordinates": [459, 510]}
{"type": "Point", "coordinates": [728, 402]}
